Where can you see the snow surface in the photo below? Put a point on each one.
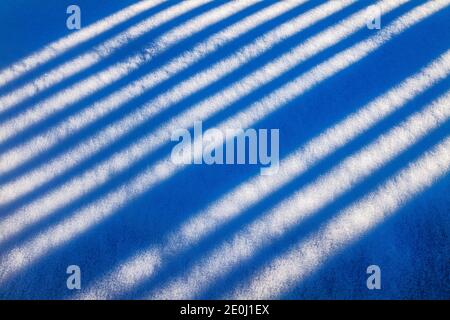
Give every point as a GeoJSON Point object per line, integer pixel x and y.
{"type": "Point", "coordinates": [86, 176]}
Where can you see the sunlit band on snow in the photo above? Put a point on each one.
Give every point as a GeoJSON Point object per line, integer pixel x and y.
{"type": "Point", "coordinates": [94, 55]}
{"type": "Point", "coordinates": [128, 274]}
{"type": "Point", "coordinates": [202, 110]}
{"type": "Point", "coordinates": [305, 202]}
{"type": "Point", "coordinates": [52, 136]}
{"type": "Point", "coordinates": [162, 134]}
{"type": "Point", "coordinates": [119, 70]}
{"type": "Point", "coordinates": [303, 258]}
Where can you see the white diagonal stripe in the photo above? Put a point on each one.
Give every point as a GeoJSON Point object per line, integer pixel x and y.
{"type": "Point", "coordinates": [305, 202]}
{"type": "Point", "coordinates": [303, 258]}
{"type": "Point", "coordinates": [41, 142]}
{"type": "Point", "coordinates": [94, 213]}
{"type": "Point", "coordinates": [204, 109]}
{"type": "Point", "coordinates": [248, 193]}
{"type": "Point", "coordinates": [64, 44]}
{"type": "Point", "coordinates": [119, 70]}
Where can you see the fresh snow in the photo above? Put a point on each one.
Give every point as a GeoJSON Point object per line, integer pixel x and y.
{"type": "Point", "coordinates": [86, 176]}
